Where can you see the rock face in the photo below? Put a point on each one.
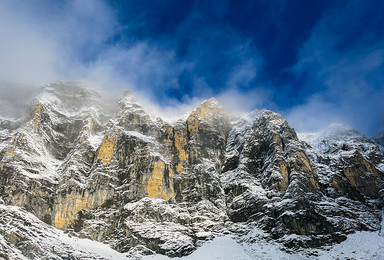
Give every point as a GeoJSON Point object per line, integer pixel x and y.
{"type": "Point", "coordinates": [144, 185]}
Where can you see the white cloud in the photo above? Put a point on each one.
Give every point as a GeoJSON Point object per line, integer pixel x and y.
{"type": "Point", "coordinates": [314, 115]}
{"type": "Point", "coordinates": [347, 82]}
{"type": "Point", "coordinates": [244, 101]}
{"type": "Point", "coordinates": [43, 41]}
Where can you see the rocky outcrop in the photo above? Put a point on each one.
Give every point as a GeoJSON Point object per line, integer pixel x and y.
{"type": "Point", "coordinates": [138, 183]}
{"type": "Point", "coordinates": [350, 164]}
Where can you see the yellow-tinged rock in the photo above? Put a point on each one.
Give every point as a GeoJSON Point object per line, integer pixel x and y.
{"type": "Point", "coordinates": [308, 168]}
{"type": "Point", "coordinates": [106, 149]}
{"type": "Point", "coordinates": [156, 187]}
{"type": "Point", "coordinates": [278, 140]}
{"type": "Point", "coordinates": [303, 158]}
{"type": "Point", "coordinates": [67, 208]}
{"type": "Point", "coordinates": [351, 176]}
{"type": "Point", "coordinates": [181, 144]}
{"type": "Point", "coordinates": [179, 167]}
{"type": "Point", "coordinates": [372, 169]}
{"type": "Point", "coordinates": [208, 107]}
{"type": "Point", "coordinates": [155, 182]}
{"type": "Point", "coordinates": [284, 172]}
{"type": "Point", "coordinates": [335, 183]}
{"type": "Point", "coordinates": [193, 125]}
{"type": "Point", "coordinates": [132, 174]}
{"type": "Point", "coordinates": [36, 117]}
{"type": "Point", "coordinates": [15, 138]}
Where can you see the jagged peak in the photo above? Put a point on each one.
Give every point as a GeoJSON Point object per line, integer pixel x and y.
{"type": "Point", "coordinates": [212, 102]}
{"type": "Point", "coordinates": [128, 102]}
{"type": "Point", "coordinates": [68, 95]}
{"type": "Point", "coordinates": [128, 105]}
{"type": "Point", "coordinates": [60, 100]}
{"type": "Point", "coordinates": [336, 133]}
{"type": "Point", "coordinates": [209, 107]}
{"type": "Point", "coordinates": [70, 89]}
{"type": "Point", "coordinates": [127, 93]}
{"type": "Point", "coordinates": [338, 130]}
{"type": "Point", "coordinates": [250, 117]}
{"type": "Point", "coordinates": [128, 99]}
{"type": "Point", "coordinates": [46, 98]}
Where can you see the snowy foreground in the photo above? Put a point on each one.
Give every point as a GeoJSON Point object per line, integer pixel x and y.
{"type": "Point", "coordinates": [361, 245]}
{"type": "Point", "coordinates": [53, 243]}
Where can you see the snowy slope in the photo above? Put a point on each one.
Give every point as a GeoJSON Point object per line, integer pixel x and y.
{"type": "Point", "coordinates": [22, 230]}
{"type": "Point", "coordinates": [361, 245]}
{"type": "Point", "coordinates": [338, 138]}
{"type": "Point", "coordinates": [25, 230]}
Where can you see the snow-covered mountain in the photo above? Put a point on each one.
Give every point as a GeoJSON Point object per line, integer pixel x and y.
{"type": "Point", "coordinates": [379, 139]}
{"type": "Point", "coordinates": [144, 186]}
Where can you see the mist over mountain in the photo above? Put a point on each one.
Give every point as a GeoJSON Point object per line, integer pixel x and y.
{"type": "Point", "coordinates": [300, 60]}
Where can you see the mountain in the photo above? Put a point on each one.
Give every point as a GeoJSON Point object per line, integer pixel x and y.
{"type": "Point", "coordinates": [379, 139]}
{"type": "Point", "coordinates": [142, 185]}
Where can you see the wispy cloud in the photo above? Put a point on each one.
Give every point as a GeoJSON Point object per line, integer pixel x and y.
{"type": "Point", "coordinates": [74, 40]}
{"type": "Point", "coordinates": [342, 65]}
{"type": "Point", "coordinates": [203, 50]}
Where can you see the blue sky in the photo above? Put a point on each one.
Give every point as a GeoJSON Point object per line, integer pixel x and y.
{"type": "Point", "coordinates": [316, 62]}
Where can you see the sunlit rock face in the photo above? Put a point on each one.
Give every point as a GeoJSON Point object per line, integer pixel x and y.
{"type": "Point", "coordinates": [140, 184]}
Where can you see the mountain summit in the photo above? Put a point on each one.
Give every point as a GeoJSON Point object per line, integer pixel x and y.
{"type": "Point", "coordinates": [145, 186]}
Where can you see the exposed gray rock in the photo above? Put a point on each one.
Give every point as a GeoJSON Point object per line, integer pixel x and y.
{"type": "Point", "coordinates": [143, 185]}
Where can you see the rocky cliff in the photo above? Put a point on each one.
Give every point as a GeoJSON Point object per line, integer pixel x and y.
{"type": "Point", "coordinates": [142, 185]}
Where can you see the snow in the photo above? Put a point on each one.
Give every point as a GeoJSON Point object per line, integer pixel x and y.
{"type": "Point", "coordinates": [227, 248]}
{"type": "Point", "coordinates": [334, 133]}
{"type": "Point", "coordinates": [175, 120]}
{"type": "Point", "coordinates": [129, 104]}
{"type": "Point", "coordinates": [40, 163]}
{"type": "Point", "coordinates": [219, 248]}
{"type": "Point", "coordinates": [339, 141]}
{"type": "Point", "coordinates": [12, 253]}
{"type": "Point", "coordinates": [95, 140]}
{"type": "Point", "coordinates": [145, 138]}
{"type": "Point", "coordinates": [47, 240]}
{"type": "Point", "coordinates": [361, 245]}
{"type": "Point", "coordinates": [158, 220]}
{"type": "Point", "coordinates": [128, 99]}
{"type": "Point", "coordinates": [87, 245]}
{"type": "Point", "coordinates": [48, 99]}
{"type": "Point", "coordinates": [61, 106]}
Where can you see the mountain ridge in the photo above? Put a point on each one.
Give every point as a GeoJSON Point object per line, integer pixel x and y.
{"type": "Point", "coordinates": [141, 184]}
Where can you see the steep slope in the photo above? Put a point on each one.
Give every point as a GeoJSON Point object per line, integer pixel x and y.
{"type": "Point", "coordinates": [350, 168]}
{"type": "Point", "coordinates": [379, 139]}
{"type": "Point", "coordinates": [143, 185]}
{"type": "Point", "coordinates": [35, 151]}
{"type": "Point", "coordinates": [347, 160]}
{"type": "Point", "coordinates": [268, 177]}
{"type": "Point", "coordinates": [153, 159]}
{"type": "Point", "coordinates": [23, 236]}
